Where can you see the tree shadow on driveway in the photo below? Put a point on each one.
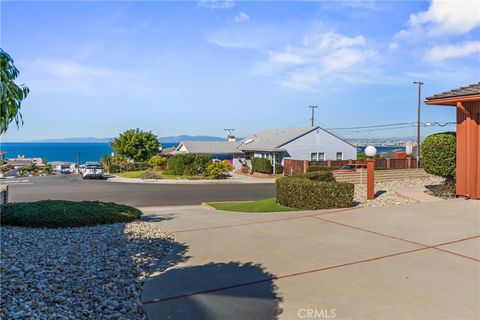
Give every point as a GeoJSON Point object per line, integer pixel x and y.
{"type": "Point", "coordinates": [223, 290]}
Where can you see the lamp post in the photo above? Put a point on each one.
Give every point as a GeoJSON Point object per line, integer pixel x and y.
{"type": "Point", "coordinates": [370, 152]}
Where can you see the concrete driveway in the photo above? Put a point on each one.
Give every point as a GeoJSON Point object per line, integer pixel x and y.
{"type": "Point", "coordinates": [413, 262]}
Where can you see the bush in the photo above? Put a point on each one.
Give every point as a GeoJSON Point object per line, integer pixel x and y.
{"type": "Point", "coordinates": [262, 165]}
{"type": "Point", "coordinates": [306, 194]}
{"type": "Point", "coordinates": [199, 165]}
{"type": "Point", "coordinates": [136, 166]}
{"type": "Point", "coordinates": [150, 174]}
{"type": "Point", "coordinates": [157, 162]}
{"type": "Point", "coordinates": [115, 168]}
{"type": "Point", "coordinates": [439, 155]}
{"type": "Point", "coordinates": [278, 168]}
{"type": "Point", "coordinates": [319, 176]}
{"type": "Point", "coordinates": [218, 170]}
{"type": "Point", "coordinates": [63, 214]}
{"type": "Point", "coordinates": [316, 169]}
{"type": "Point", "coordinates": [136, 144]}
{"type": "Point", "coordinates": [179, 164]}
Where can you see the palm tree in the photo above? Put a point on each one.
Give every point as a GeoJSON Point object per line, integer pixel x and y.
{"type": "Point", "coordinates": [11, 94]}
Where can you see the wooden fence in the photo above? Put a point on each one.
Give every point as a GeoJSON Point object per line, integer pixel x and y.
{"type": "Point", "coordinates": [293, 167]}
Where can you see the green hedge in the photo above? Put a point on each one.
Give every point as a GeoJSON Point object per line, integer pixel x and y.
{"type": "Point", "coordinates": [278, 168]}
{"type": "Point", "coordinates": [439, 154]}
{"type": "Point", "coordinates": [180, 164]}
{"type": "Point", "coordinates": [262, 165]}
{"type": "Point", "coordinates": [134, 166]}
{"type": "Point", "coordinates": [315, 169]}
{"type": "Point", "coordinates": [62, 214]}
{"type": "Point", "coordinates": [306, 194]}
{"type": "Point", "coordinates": [319, 176]}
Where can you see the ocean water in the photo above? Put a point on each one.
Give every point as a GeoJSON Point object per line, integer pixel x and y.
{"type": "Point", "coordinates": [60, 151]}
{"type": "Point", "coordinates": [67, 151]}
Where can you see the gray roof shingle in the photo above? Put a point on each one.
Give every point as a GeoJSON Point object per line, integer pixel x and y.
{"type": "Point", "coordinates": [272, 139]}
{"type": "Point", "coordinates": [472, 89]}
{"type": "Point", "coordinates": [210, 147]}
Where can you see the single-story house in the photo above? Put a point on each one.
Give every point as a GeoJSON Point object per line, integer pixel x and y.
{"type": "Point", "coordinates": [467, 102]}
{"type": "Point", "coordinates": [310, 143]}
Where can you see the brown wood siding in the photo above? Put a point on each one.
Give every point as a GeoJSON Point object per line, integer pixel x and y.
{"type": "Point", "coordinates": [468, 150]}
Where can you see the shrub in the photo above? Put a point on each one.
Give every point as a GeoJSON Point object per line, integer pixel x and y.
{"type": "Point", "coordinates": [326, 176]}
{"type": "Point", "coordinates": [244, 169]}
{"type": "Point", "coordinates": [439, 155]}
{"type": "Point", "coordinates": [315, 169]}
{"type": "Point", "coordinates": [199, 165]}
{"type": "Point", "coordinates": [136, 166]}
{"type": "Point", "coordinates": [115, 168]}
{"type": "Point", "coordinates": [157, 162]}
{"type": "Point", "coordinates": [306, 194]}
{"type": "Point", "coordinates": [278, 168]}
{"type": "Point", "coordinates": [262, 165]}
{"type": "Point", "coordinates": [62, 214]}
{"type": "Point", "coordinates": [218, 170]}
{"type": "Point", "coordinates": [178, 164]}
{"type": "Point", "coordinates": [150, 174]}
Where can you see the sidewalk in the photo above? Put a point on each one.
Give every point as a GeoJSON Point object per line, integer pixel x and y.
{"type": "Point", "coordinates": [417, 194]}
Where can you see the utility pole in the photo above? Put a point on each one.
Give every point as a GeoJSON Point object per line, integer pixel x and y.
{"type": "Point", "coordinates": [419, 83]}
{"type": "Point", "coordinates": [313, 114]}
{"type": "Point", "coordinates": [78, 161]}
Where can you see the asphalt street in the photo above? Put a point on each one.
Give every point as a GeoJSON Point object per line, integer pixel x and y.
{"type": "Point", "coordinates": [73, 187]}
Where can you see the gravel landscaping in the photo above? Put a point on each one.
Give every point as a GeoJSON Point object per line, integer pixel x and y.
{"type": "Point", "coordinates": [387, 191]}
{"type": "Point", "coordinates": [78, 273]}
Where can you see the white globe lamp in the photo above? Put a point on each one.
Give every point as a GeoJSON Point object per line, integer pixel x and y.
{"type": "Point", "coordinates": [370, 151]}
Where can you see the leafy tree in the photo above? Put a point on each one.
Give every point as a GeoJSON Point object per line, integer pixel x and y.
{"type": "Point", "coordinates": [439, 155]}
{"type": "Point", "coordinates": [136, 144]}
{"type": "Point", "coordinates": [11, 94]}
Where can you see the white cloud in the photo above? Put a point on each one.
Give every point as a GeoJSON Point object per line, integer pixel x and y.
{"type": "Point", "coordinates": [443, 17]}
{"type": "Point", "coordinates": [216, 4]}
{"type": "Point", "coordinates": [242, 17]}
{"type": "Point", "coordinates": [393, 46]}
{"type": "Point", "coordinates": [443, 52]}
{"type": "Point", "coordinates": [66, 76]}
{"type": "Point", "coordinates": [321, 57]}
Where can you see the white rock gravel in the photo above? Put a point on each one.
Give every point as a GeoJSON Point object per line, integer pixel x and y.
{"type": "Point", "coordinates": [387, 190]}
{"type": "Point", "coordinates": [78, 273]}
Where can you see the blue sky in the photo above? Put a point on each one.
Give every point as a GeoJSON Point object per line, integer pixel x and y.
{"type": "Point", "coordinates": [98, 68]}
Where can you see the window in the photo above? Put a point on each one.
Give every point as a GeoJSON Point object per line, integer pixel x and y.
{"type": "Point", "coordinates": [317, 156]}
{"type": "Point", "coordinates": [339, 156]}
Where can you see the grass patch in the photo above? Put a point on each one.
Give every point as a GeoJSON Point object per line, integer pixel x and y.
{"type": "Point", "coordinates": [265, 205]}
{"type": "Point", "coordinates": [131, 174]}
{"type": "Point", "coordinates": [63, 214]}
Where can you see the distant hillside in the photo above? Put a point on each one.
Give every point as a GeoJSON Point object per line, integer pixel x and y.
{"type": "Point", "coordinates": [189, 138]}
{"type": "Point", "coordinates": [77, 140]}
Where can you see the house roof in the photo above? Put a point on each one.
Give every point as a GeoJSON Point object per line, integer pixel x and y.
{"type": "Point", "coordinates": [210, 147]}
{"type": "Point", "coordinates": [19, 162]}
{"type": "Point", "coordinates": [273, 139]}
{"type": "Point", "coordinates": [473, 89]}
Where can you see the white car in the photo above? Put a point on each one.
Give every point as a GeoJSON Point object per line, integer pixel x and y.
{"type": "Point", "coordinates": [92, 170]}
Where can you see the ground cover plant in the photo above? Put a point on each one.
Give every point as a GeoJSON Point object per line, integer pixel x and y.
{"type": "Point", "coordinates": [62, 214]}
